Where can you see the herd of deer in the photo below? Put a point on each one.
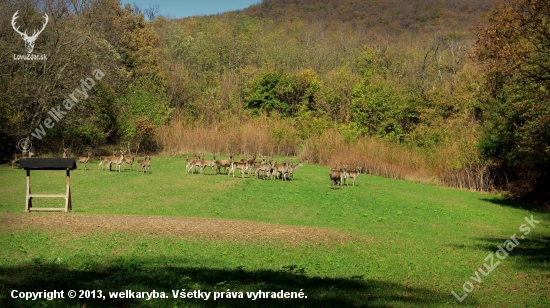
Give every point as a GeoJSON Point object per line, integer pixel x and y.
{"type": "Point", "coordinates": [119, 161]}
{"type": "Point", "coordinates": [262, 169]}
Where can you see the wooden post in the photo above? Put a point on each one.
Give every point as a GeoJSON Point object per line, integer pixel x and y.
{"type": "Point", "coordinates": [68, 201]}
{"type": "Point", "coordinates": [28, 202]}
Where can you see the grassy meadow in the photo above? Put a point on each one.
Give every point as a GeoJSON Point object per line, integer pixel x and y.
{"type": "Point", "coordinates": [382, 243]}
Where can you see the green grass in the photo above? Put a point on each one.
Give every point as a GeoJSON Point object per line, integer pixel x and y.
{"type": "Point", "coordinates": [410, 244]}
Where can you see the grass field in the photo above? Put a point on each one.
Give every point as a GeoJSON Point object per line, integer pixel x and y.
{"type": "Point", "coordinates": [383, 243]}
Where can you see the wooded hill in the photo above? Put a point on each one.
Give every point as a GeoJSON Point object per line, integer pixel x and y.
{"type": "Point", "coordinates": [394, 86]}
{"type": "Point", "coordinates": [381, 15]}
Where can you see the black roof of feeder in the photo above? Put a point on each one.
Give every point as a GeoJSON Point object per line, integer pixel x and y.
{"type": "Point", "coordinates": [47, 163]}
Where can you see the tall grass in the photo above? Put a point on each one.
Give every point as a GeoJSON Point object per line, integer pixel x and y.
{"type": "Point", "coordinates": [455, 164]}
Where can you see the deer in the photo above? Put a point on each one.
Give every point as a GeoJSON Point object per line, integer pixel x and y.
{"type": "Point", "coordinates": [119, 162]}
{"type": "Point", "coordinates": [105, 159]}
{"type": "Point", "coordinates": [129, 160]}
{"type": "Point", "coordinates": [191, 162]}
{"type": "Point", "coordinates": [255, 165]}
{"type": "Point", "coordinates": [336, 176]}
{"type": "Point", "coordinates": [19, 157]}
{"type": "Point", "coordinates": [116, 160]}
{"type": "Point", "coordinates": [264, 167]}
{"type": "Point", "coordinates": [280, 169]}
{"type": "Point", "coordinates": [29, 40]}
{"type": "Point", "coordinates": [209, 163]}
{"type": "Point", "coordinates": [65, 153]}
{"type": "Point", "coordinates": [251, 163]}
{"type": "Point", "coordinates": [238, 165]}
{"type": "Point", "coordinates": [352, 173]}
{"type": "Point", "coordinates": [292, 169]}
{"type": "Point", "coordinates": [145, 164]}
{"type": "Point", "coordinates": [84, 159]}
{"type": "Point", "coordinates": [197, 164]}
{"type": "Point", "coordinates": [226, 163]}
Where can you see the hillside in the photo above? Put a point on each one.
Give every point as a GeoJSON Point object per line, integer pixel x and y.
{"type": "Point", "coordinates": [392, 15]}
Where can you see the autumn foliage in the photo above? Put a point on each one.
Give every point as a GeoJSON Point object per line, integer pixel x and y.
{"type": "Point", "coordinates": [399, 87]}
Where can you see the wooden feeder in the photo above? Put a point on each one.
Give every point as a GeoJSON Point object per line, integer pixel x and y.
{"type": "Point", "coordinates": [67, 164]}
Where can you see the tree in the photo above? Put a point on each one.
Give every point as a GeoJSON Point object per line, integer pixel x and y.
{"type": "Point", "coordinates": [515, 47]}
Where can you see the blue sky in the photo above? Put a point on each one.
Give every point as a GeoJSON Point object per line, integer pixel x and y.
{"type": "Point", "coordinates": [185, 8]}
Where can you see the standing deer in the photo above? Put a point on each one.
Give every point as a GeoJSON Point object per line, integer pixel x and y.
{"type": "Point", "coordinates": [119, 161]}
{"type": "Point", "coordinates": [105, 159]}
{"type": "Point", "coordinates": [84, 159]}
{"type": "Point", "coordinates": [65, 153]}
{"type": "Point", "coordinates": [116, 160]}
{"type": "Point", "coordinates": [352, 173]}
{"type": "Point", "coordinates": [336, 176]}
{"type": "Point", "coordinates": [265, 168]}
{"type": "Point", "coordinates": [197, 164]}
{"type": "Point", "coordinates": [191, 163]}
{"type": "Point", "coordinates": [280, 169]}
{"type": "Point", "coordinates": [19, 157]}
{"type": "Point", "coordinates": [226, 163]}
{"type": "Point", "coordinates": [129, 160]}
{"type": "Point", "coordinates": [145, 164]}
{"type": "Point", "coordinates": [29, 40]}
{"type": "Point", "coordinates": [240, 166]}
{"type": "Point", "coordinates": [209, 163]}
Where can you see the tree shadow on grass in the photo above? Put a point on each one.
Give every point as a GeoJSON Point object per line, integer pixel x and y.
{"type": "Point", "coordinates": [533, 250]}
{"type": "Point", "coordinates": [147, 275]}
{"type": "Point", "coordinates": [518, 204]}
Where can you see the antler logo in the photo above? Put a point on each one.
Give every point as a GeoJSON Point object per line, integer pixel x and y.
{"type": "Point", "coordinates": [29, 40]}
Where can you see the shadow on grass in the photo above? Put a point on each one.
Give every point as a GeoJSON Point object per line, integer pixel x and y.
{"type": "Point", "coordinates": [518, 204]}
{"type": "Point", "coordinates": [147, 275]}
{"type": "Point", "coordinates": [534, 251]}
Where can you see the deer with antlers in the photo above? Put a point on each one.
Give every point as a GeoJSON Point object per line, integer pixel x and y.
{"type": "Point", "coordinates": [29, 40]}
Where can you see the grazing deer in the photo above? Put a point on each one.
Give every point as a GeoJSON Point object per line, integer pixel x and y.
{"type": "Point", "coordinates": [209, 163]}
{"type": "Point", "coordinates": [145, 164]}
{"type": "Point", "coordinates": [84, 159]}
{"type": "Point", "coordinates": [240, 166]}
{"type": "Point", "coordinates": [18, 157]}
{"type": "Point", "coordinates": [65, 153]}
{"type": "Point", "coordinates": [105, 159]}
{"type": "Point", "coordinates": [336, 176]}
{"type": "Point", "coordinates": [291, 170]}
{"type": "Point", "coordinates": [226, 163]}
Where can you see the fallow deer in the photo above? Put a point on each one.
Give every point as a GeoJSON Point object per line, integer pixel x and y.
{"type": "Point", "coordinates": [19, 157]}
{"type": "Point", "coordinates": [84, 159]}
{"type": "Point", "coordinates": [226, 163]}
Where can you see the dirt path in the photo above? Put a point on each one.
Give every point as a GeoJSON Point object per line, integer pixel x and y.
{"type": "Point", "coordinates": [207, 228]}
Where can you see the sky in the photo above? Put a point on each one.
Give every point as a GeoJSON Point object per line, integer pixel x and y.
{"type": "Point", "coordinates": [186, 8]}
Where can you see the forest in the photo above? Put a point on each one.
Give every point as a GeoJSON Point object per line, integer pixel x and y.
{"type": "Point", "coordinates": [452, 93]}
